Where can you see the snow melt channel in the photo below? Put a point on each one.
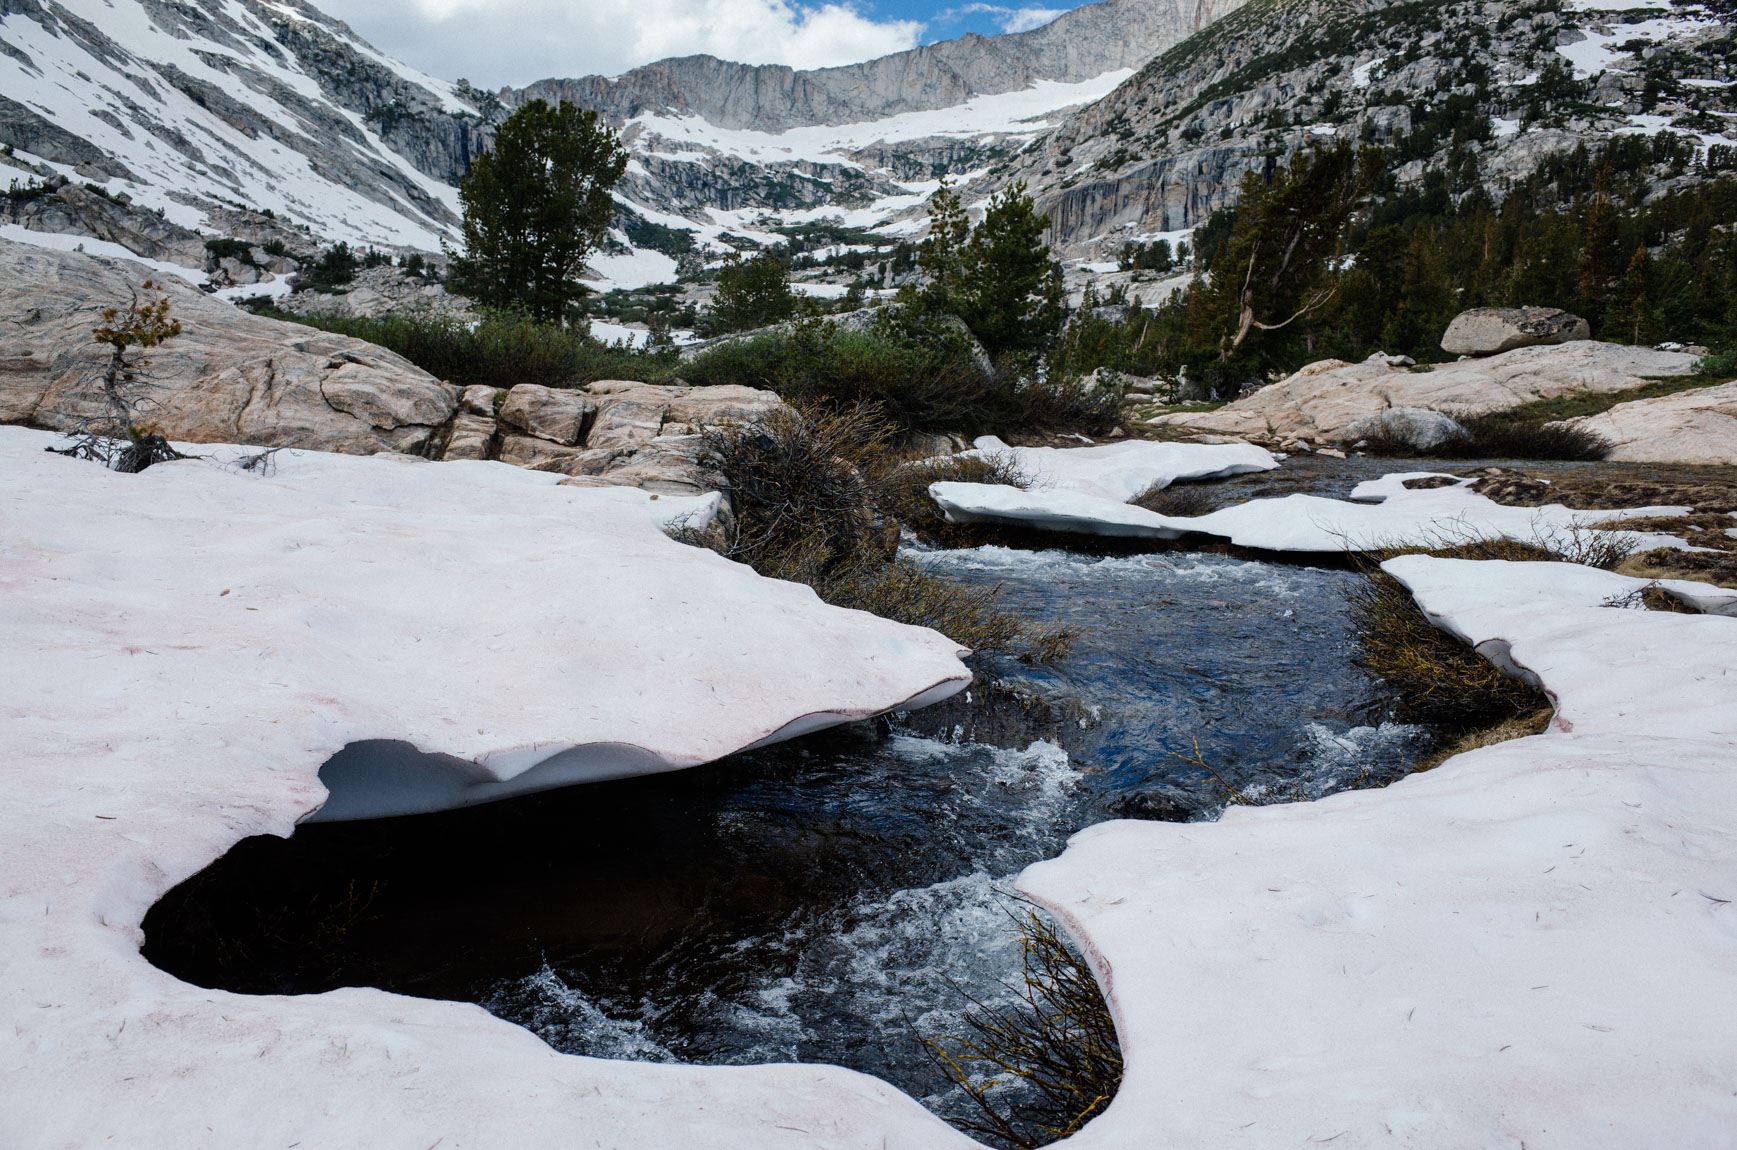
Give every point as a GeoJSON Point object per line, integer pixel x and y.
{"type": "Point", "coordinates": [185, 647]}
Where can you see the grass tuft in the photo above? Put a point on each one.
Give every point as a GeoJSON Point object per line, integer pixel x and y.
{"type": "Point", "coordinates": [1517, 727]}
{"type": "Point", "coordinates": [1183, 499]}
{"type": "Point", "coordinates": [1503, 435]}
{"type": "Point", "coordinates": [1057, 1040]}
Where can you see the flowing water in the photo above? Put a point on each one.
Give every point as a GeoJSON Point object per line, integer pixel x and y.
{"type": "Point", "coordinates": [831, 899]}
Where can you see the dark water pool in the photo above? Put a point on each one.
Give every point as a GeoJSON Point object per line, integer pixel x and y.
{"type": "Point", "coordinates": [830, 899]}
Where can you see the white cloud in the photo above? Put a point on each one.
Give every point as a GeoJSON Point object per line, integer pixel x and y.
{"type": "Point", "coordinates": [1011, 19]}
{"type": "Point", "coordinates": [496, 42]}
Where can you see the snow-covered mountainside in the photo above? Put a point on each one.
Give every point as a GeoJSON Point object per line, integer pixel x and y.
{"type": "Point", "coordinates": [197, 106]}
{"type": "Point", "coordinates": [174, 122]}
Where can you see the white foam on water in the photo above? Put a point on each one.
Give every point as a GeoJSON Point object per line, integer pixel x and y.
{"type": "Point", "coordinates": [568, 1020]}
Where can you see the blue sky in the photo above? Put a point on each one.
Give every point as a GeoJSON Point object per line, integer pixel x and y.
{"type": "Point", "coordinates": [497, 42]}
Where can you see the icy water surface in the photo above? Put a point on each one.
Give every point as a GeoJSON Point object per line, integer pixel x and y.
{"type": "Point", "coordinates": [825, 900]}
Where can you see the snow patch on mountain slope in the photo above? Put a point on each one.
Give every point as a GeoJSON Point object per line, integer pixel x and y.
{"type": "Point", "coordinates": [170, 106]}
{"type": "Point", "coordinates": [1025, 112]}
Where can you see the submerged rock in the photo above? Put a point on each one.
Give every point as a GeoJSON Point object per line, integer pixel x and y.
{"type": "Point", "coordinates": [1493, 330]}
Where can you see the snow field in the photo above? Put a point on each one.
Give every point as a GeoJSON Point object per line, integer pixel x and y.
{"type": "Point", "coordinates": [1400, 516]}
{"type": "Point", "coordinates": [187, 646]}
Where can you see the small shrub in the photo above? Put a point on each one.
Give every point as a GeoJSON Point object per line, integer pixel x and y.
{"type": "Point", "coordinates": [142, 325]}
{"type": "Point", "coordinates": [1181, 499]}
{"type": "Point", "coordinates": [1502, 435]}
{"type": "Point", "coordinates": [806, 489]}
{"type": "Point", "coordinates": [905, 495]}
{"type": "Point", "coordinates": [1058, 1040]}
{"type": "Point", "coordinates": [229, 247]}
{"type": "Point", "coordinates": [1723, 363]}
{"type": "Point", "coordinates": [925, 371]}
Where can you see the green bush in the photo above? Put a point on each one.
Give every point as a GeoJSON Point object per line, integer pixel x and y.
{"type": "Point", "coordinates": [1719, 363]}
{"type": "Point", "coordinates": [923, 371]}
{"type": "Point", "coordinates": [499, 351]}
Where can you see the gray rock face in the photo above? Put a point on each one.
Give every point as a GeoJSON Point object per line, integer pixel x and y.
{"type": "Point", "coordinates": [229, 377]}
{"type": "Point", "coordinates": [1698, 426]}
{"type": "Point", "coordinates": [73, 210]}
{"type": "Point", "coordinates": [1493, 330]}
{"type": "Point", "coordinates": [1173, 143]}
{"type": "Point", "coordinates": [192, 123]}
{"type": "Point", "coordinates": [1078, 45]}
{"type": "Point", "coordinates": [1415, 427]}
{"type": "Point", "coordinates": [559, 416]}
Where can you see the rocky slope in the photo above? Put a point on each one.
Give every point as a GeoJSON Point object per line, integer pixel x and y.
{"type": "Point", "coordinates": [235, 117]}
{"type": "Point", "coordinates": [1508, 81]}
{"type": "Point", "coordinates": [195, 107]}
{"type": "Point", "coordinates": [1078, 45]}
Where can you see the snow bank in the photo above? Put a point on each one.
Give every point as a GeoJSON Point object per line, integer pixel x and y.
{"type": "Point", "coordinates": [1532, 944]}
{"type": "Point", "coordinates": [184, 648]}
{"type": "Point", "coordinates": [1294, 522]}
{"type": "Point", "coordinates": [1120, 471]}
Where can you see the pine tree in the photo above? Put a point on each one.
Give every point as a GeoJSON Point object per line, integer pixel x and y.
{"type": "Point", "coordinates": [535, 207]}
{"type": "Point", "coordinates": [1012, 296]}
{"type": "Point", "coordinates": [752, 293]}
{"type": "Point", "coordinates": [1600, 253]}
{"type": "Point", "coordinates": [942, 255]}
{"type": "Point", "coordinates": [1629, 310]}
{"type": "Point", "coordinates": [1273, 270]}
{"type": "Point", "coordinates": [1426, 299]}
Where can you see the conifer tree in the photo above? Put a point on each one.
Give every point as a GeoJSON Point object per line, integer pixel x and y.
{"type": "Point", "coordinates": [1012, 296]}
{"type": "Point", "coordinates": [942, 255]}
{"type": "Point", "coordinates": [1273, 270]}
{"type": "Point", "coordinates": [753, 292]}
{"type": "Point", "coordinates": [535, 207]}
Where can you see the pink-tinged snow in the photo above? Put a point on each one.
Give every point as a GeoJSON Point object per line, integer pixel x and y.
{"type": "Point", "coordinates": [1532, 945]}
{"type": "Point", "coordinates": [182, 650]}
{"type": "Point", "coordinates": [70, 86]}
{"type": "Point", "coordinates": [1444, 515]}
{"type": "Point", "coordinates": [1120, 471]}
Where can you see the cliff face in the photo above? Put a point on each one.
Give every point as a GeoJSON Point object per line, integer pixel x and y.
{"type": "Point", "coordinates": [1078, 45]}
{"type": "Point", "coordinates": [1502, 82]}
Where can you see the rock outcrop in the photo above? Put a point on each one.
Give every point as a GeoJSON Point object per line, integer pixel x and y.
{"type": "Point", "coordinates": [1493, 330]}
{"type": "Point", "coordinates": [1417, 428]}
{"type": "Point", "coordinates": [1078, 45]}
{"type": "Point", "coordinates": [1325, 401]}
{"type": "Point", "coordinates": [68, 208]}
{"type": "Point", "coordinates": [614, 433]}
{"type": "Point", "coordinates": [1698, 426]}
{"type": "Point", "coordinates": [229, 377]}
